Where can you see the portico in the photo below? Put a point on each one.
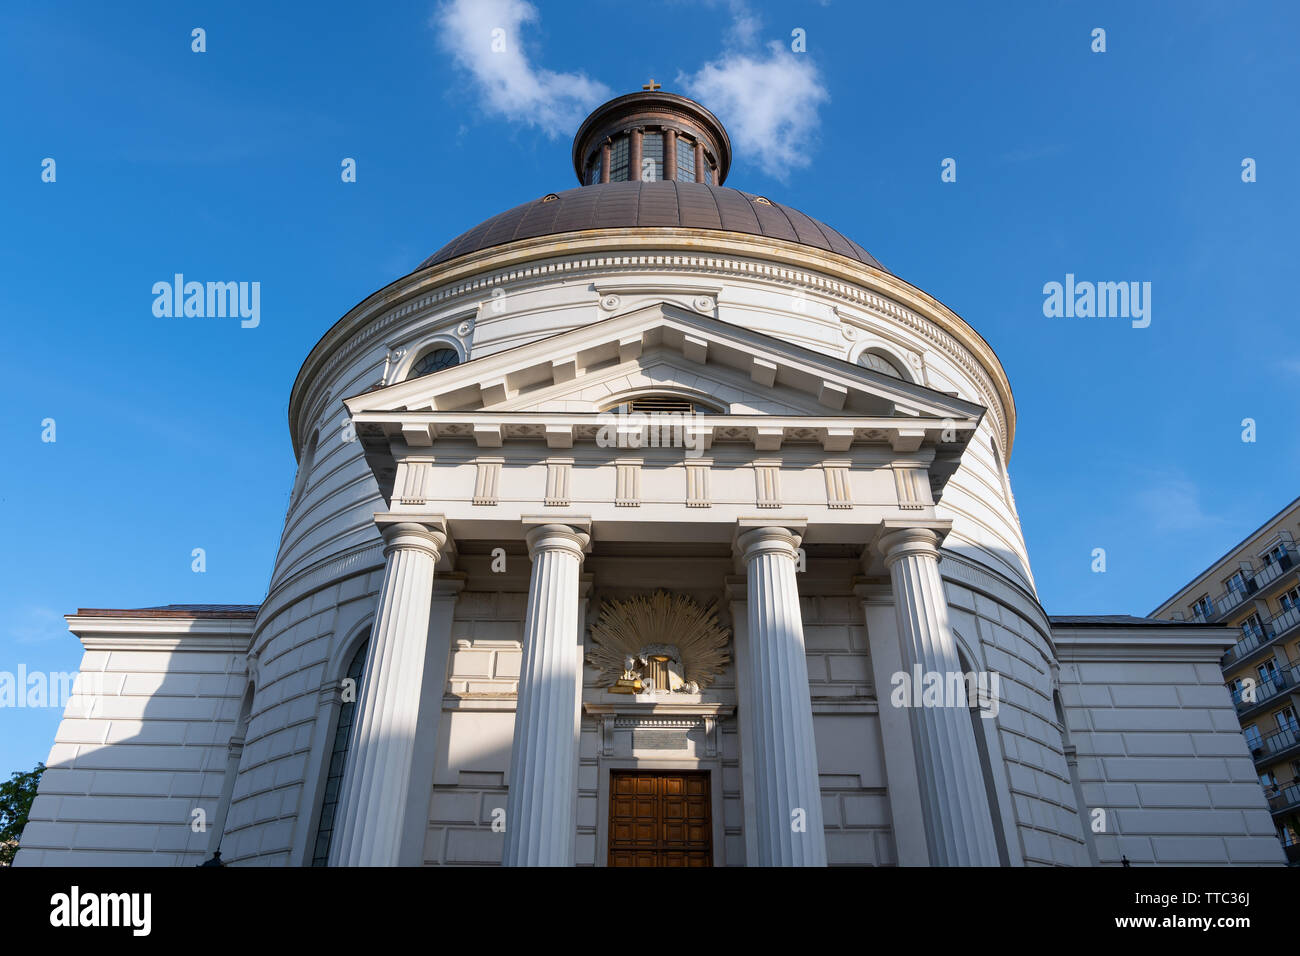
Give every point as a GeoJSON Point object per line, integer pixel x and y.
{"type": "Point", "coordinates": [762, 489]}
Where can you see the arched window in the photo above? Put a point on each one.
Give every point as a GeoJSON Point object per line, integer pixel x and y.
{"type": "Point", "coordinates": [878, 363]}
{"type": "Point", "coordinates": [304, 466]}
{"type": "Point", "coordinates": [665, 404]}
{"type": "Point", "coordinates": [339, 760]}
{"type": "Point", "coordinates": [434, 361]}
{"type": "Point", "coordinates": [1002, 473]}
{"type": "Point", "coordinates": [977, 721]}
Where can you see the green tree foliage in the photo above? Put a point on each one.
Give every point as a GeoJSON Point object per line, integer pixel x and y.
{"type": "Point", "coordinates": [16, 796]}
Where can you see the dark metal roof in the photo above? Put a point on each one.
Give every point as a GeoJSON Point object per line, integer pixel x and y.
{"type": "Point", "coordinates": [629, 205]}
{"type": "Point", "coordinates": [225, 611]}
{"type": "Point", "coordinates": [1116, 620]}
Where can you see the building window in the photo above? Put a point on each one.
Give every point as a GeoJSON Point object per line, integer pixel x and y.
{"type": "Point", "coordinates": [1286, 719]}
{"type": "Point", "coordinates": [1003, 477]}
{"type": "Point", "coordinates": [1203, 607]}
{"type": "Point", "coordinates": [593, 170]}
{"type": "Point", "coordinates": [663, 405]}
{"type": "Point", "coordinates": [1289, 599]}
{"type": "Point", "coordinates": [618, 160]}
{"type": "Point", "coordinates": [434, 361]}
{"type": "Point", "coordinates": [1268, 673]}
{"type": "Point", "coordinates": [1276, 554]}
{"type": "Point", "coordinates": [708, 173]}
{"type": "Point", "coordinates": [1254, 740]}
{"type": "Point", "coordinates": [304, 467]}
{"type": "Point", "coordinates": [1252, 627]}
{"type": "Point", "coordinates": [685, 160]}
{"type": "Point", "coordinates": [1267, 780]}
{"type": "Point", "coordinates": [1237, 582]}
{"type": "Point", "coordinates": [878, 363]}
{"type": "Point", "coordinates": [652, 157]}
{"type": "Point", "coordinates": [338, 760]}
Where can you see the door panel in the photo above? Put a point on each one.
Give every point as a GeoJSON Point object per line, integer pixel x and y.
{"type": "Point", "coordinates": [661, 818]}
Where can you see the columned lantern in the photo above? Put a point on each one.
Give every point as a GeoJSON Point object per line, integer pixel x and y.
{"type": "Point", "coordinates": [651, 136]}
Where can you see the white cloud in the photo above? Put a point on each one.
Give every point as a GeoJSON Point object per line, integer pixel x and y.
{"type": "Point", "coordinates": [1172, 503]}
{"type": "Point", "coordinates": [35, 625]}
{"type": "Point", "coordinates": [767, 98]}
{"type": "Point", "coordinates": [745, 24]}
{"type": "Point", "coordinates": [768, 102]}
{"type": "Point", "coordinates": [484, 37]}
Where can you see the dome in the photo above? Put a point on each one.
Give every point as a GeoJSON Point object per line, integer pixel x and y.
{"type": "Point", "coordinates": [666, 204]}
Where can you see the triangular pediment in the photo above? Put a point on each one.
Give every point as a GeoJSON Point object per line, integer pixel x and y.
{"type": "Point", "coordinates": [754, 392]}
{"type": "Point", "coordinates": [663, 348]}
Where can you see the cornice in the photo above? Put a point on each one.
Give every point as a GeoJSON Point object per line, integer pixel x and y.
{"type": "Point", "coordinates": [161, 634]}
{"type": "Point", "coordinates": [662, 250]}
{"type": "Point", "coordinates": [1126, 643]}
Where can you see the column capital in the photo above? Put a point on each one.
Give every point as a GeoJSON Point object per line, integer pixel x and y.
{"type": "Point", "coordinates": [430, 536]}
{"type": "Point", "coordinates": [555, 536]}
{"type": "Point", "coordinates": [754, 538]}
{"type": "Point", "coordinates": [897, 539]}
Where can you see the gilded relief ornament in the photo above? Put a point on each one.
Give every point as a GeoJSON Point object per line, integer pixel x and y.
{"type": "Point", "coordinates": [665, 643]}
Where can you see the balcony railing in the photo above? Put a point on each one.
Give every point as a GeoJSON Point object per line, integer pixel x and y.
{"type": "Point", "coordinates": [1256, 637]}
{"type": "Point", "coordinates": [1229, 599]}
{"type": "Point", "coordinates": [1282, 679]}
{"type": "Point", "coordinates": [1283, 798]}
{"type": "Point", "coordinates": [1223, 603]}
{"type": "Point", "coordinates": [1272, 571]}
{"type": "Point", "coordinates": [1275, 745]}
{"type": "Point", "coordinates": [1252, 640]}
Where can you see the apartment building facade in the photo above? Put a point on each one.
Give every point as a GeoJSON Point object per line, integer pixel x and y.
{"type": "Point", "coordinates": [1255, 589]}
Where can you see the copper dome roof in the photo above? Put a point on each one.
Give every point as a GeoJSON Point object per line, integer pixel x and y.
{"type": "Point", "coordinates": [663, 203]}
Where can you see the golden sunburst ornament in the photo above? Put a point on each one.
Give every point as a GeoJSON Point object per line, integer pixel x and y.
{"type": "Point", "coordinates": [667, 634]}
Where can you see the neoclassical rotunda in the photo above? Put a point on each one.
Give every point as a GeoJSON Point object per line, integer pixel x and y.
{"type": "Point", "coordinates": [650, 522]}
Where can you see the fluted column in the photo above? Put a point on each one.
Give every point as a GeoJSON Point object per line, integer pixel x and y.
{"type": "Point", "coordinates": [540, 823]}
{"type": "Point", "coordinates": [376, 783]}
{"type": "Point", "coordinates": [958, 824]}
{"type": "Point", "coordinates": [787, 797]}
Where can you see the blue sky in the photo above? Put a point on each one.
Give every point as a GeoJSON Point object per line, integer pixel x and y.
{"type": "Point", "coordinates": [1115, 166]}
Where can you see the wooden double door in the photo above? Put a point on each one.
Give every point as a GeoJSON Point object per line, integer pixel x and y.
{"type": "Point", "coordinates": [660, 818]}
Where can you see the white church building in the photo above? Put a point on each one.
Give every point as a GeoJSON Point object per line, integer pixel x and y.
{"type": "Point", "coordinates": [648, 523]}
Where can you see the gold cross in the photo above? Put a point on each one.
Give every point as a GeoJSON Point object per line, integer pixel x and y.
{"type": "Point", "coordinates": [651, 86]}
